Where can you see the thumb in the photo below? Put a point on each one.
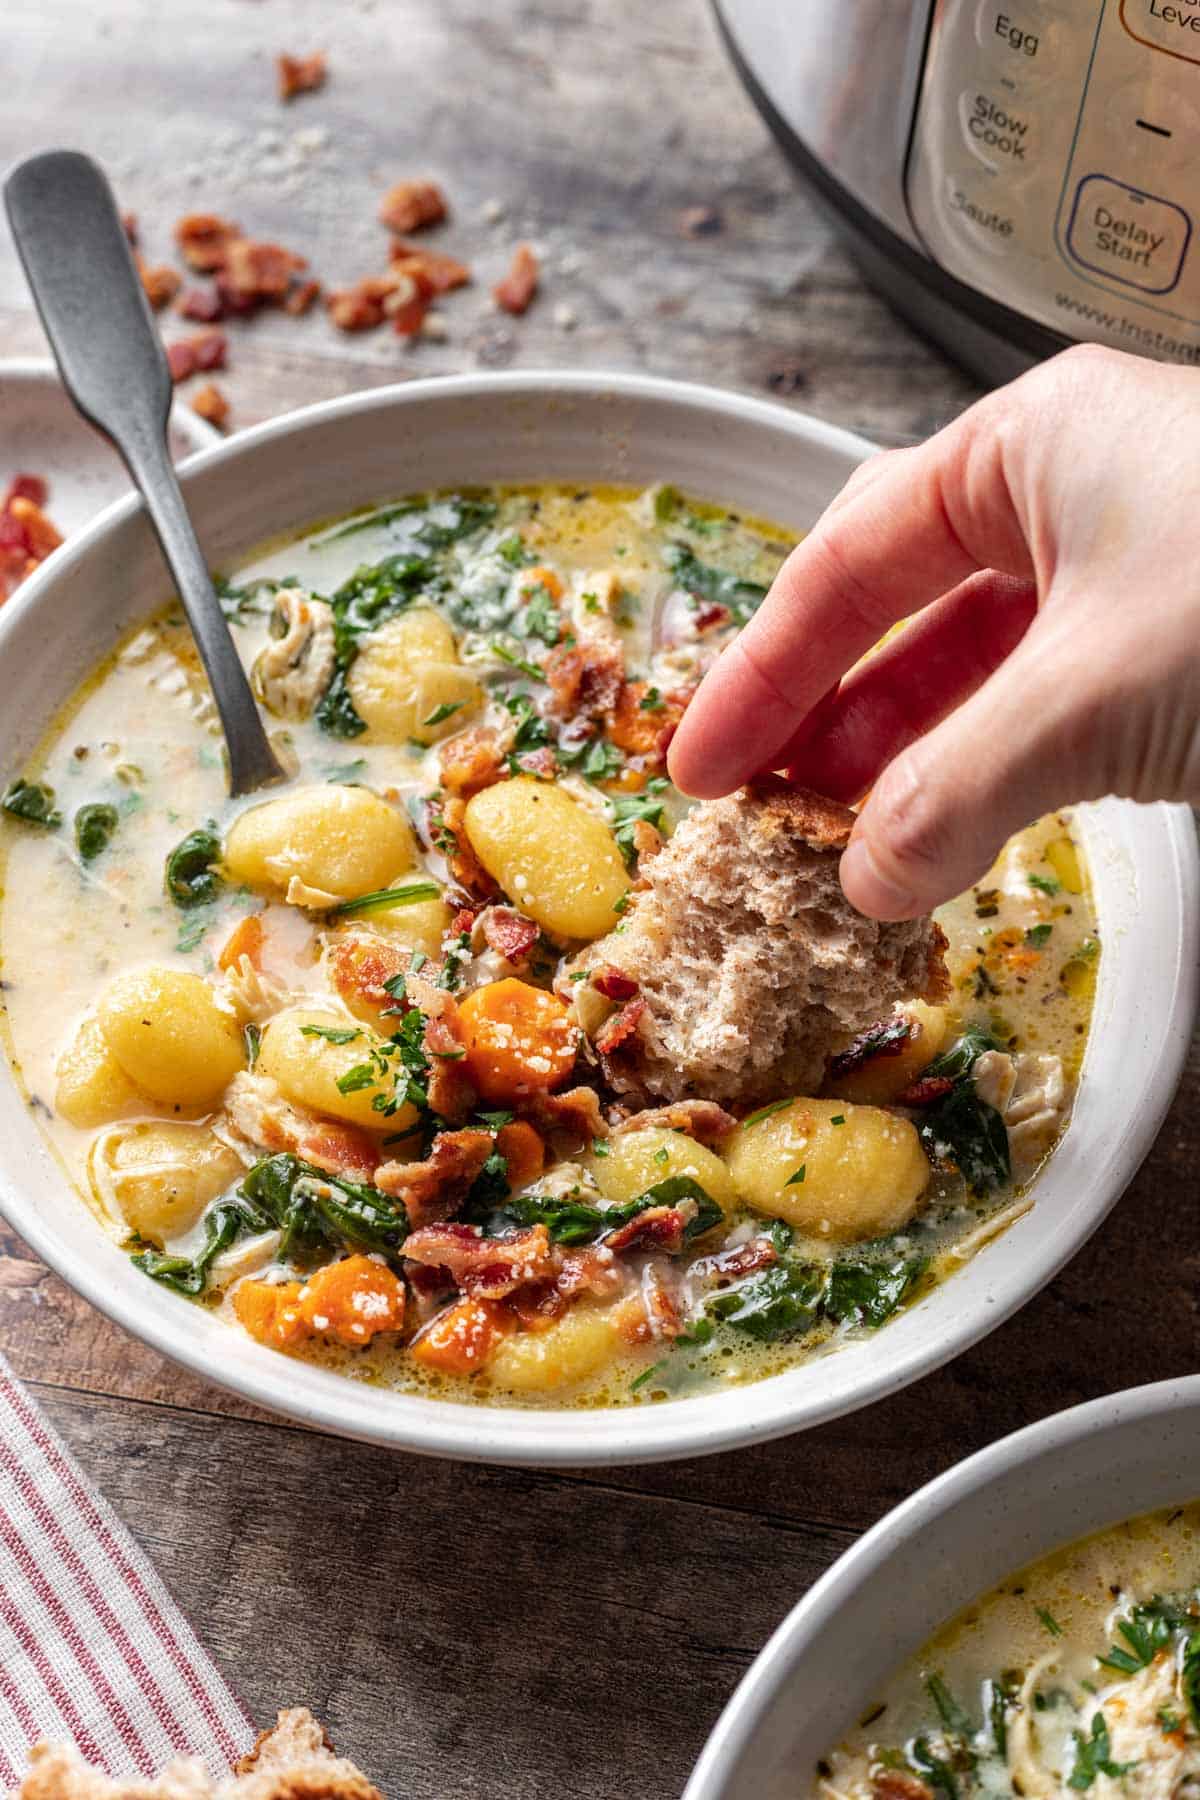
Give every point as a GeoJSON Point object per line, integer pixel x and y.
{"type": "Point", "coordinates": [940, 813]}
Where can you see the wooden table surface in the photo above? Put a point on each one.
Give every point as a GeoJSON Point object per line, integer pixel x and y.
{"type": "Point", "coordinates": [474, 1630]}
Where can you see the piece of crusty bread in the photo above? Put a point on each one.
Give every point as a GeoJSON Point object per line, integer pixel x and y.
{"type": "Point", "coordinates": [292, 1761]}
{"type": "Point", "coordinates": [751, 961]}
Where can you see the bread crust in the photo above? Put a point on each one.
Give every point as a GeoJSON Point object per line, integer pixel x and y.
{"type": "Point", "coordinates": [751, 966]}
{"type": "Point", "coordinates": [294, 1760]}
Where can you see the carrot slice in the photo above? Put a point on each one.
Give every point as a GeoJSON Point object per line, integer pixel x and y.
{"type": "Point", "coordinates": [520, 1040]}
{"type": "Point", "coordinates": [461, 1339]}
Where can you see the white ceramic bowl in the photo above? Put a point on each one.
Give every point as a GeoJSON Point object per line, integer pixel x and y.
{"type": "Point", "coordinates": [1014, 1502]}
{"type": "Point", "coordinates": [42, 434]}
{"type": "Point", "coordinates": [326, 459]}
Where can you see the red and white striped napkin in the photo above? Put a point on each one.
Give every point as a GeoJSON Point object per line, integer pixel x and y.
{"type": "Point", "coordinates": [93, 1650]}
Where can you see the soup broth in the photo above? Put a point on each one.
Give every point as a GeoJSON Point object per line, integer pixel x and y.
{"type": "Point", "coordinates": [314, 1057]}
{"type": "Point", "coordinates": [1080, 1675]}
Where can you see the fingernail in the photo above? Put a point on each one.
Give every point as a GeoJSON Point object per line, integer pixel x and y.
{"type": "Point", "coordinates": [869, 889]}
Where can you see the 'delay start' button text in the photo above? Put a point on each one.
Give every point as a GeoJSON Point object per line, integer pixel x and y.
{"type": "Point", "coordinates": [1135, 238]}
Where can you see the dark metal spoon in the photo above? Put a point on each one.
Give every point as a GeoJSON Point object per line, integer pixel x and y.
{"type": "Point", "coordinates": [78, 263]}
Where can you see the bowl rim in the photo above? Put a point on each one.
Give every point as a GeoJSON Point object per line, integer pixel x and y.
{"type": "Point", "coordinates": [42, 371]}
{"type": "Point", "coordinates": [871, 1555]}
{"type": "Point", "coordinates": [601, 1437]}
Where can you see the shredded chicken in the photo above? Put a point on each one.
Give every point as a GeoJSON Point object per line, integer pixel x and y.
{"type": "Point", "coordinates": [1160, 1759]}
{"type": "Point", "coordinates": [251, 994]}
{"type": "Point", "coordinates": [256, 1119]}
{"type": "Point", "coordinates": [294, 668]}
{"type": "Point", "coordinates": [1029, 1091]}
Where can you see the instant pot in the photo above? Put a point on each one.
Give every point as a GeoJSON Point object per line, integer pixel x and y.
{"type": "Point", "coordinates": [1015, 176]}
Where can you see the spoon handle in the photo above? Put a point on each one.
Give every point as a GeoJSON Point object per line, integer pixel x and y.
{"type": "Point", "coordinates": [77, 260]}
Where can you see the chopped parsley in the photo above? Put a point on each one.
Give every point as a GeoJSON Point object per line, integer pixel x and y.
{"type": "Point", "coordinates": [445, 711]}
{"type": "Point", "coordinates": [1048, 1620]}
{"type": "Point", "coordinates": [332, 1034]}
{"type": "Point", "coordinates": [1093, 1756]}
{"type": "Point", "coordinates": [409, 893]}
{"type": "Point", "coordinates": [629, 809]}
{"type": "Point", "coordinates": [1036, 936]}
{"type": "Point", "coordinates": [764, 1112]}
{"type": "Point", "coordinates": [1045, 884]}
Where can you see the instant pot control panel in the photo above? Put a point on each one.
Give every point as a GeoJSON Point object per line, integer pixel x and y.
{"type": "Point", "coordinates": [1054, 163]}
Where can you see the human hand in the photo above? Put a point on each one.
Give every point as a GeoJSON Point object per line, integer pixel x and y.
{"type": "Point", "coordinates": [1049, 542]}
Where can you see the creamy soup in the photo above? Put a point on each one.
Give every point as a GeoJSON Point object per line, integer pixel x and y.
{"type": "Point", "coordinates": [1080, 1675]}
{"type": "Point", "coordinates": [319, 1059]}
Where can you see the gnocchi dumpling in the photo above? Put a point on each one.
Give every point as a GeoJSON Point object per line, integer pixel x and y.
{"type": "Point", "coordinates": [407, 683]}
{"type": "Point", "coordinates": [421, 926]}
{"type": "Point", "coordinates": [324, 1061]}
{"type": "Point", "coordinates": [92, 1088]}
{"type": "Point", "coordinates": [882, 1078]}
{"type": "Point", "coordinates": [637, 1160]}
{"type": "Point", "coordinates": [170, 1038]}
{"type": "Point", "coordinates": [331, 842]}
{"type": "Point", "coordinates": [554, 858]}
{"type": "Point", "coordinates": [830, 1169]}
{"type": "Point", "coordinates": [160, 1176]}
{"type": "Point", "coordinates": [534, 1362]}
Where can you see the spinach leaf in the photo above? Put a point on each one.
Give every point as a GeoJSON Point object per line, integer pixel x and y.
{"type": "Point", "coordinates": [94, 828]}
{"type": "Point", "coordinates": [310, 1206]}
{"type": "Point", "coordinates": [673, 1189]}
{"type": "Point", "coordinates": [568, 1221]}
{"type": "Point", "coordinates": [191, 875]}
{"type": "Point", "coordinates": [375, 592]}
{"type": "Point", "coordinates": [239, 603]}
{"type": "Point", "coordinates": [335, 711]}
{"type": "Point", "coordinates": [780, 1302]}
{"type": "Point", "coordinates": [571, 1221]}
{"type": "Point", "coordinates": [703, 582]}
{"type": "Point", "coordinates": [862, 1292]}
{"type": "Point", "coordinates": [434, 525]}
{"type": "Point", "coordinates": [223, 1223]}
{"type": "Point", "coordinates": [972, 1133]}
{"type": "Point", "coordinates": [963, 1054]}
{"type": "Point", "coordinates": [33, 803]}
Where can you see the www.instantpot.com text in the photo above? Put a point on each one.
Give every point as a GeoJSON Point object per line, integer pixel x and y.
{"type": "Point", "coordinates": [1146, 337]}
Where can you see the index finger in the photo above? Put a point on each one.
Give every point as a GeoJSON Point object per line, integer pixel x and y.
{"type": "Point", "coordinates": [930, 517]}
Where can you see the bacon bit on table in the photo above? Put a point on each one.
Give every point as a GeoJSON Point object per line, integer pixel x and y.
{"type": "Point", "coordinates": [514, 292]}
{"type": "Point", "coordinates": [204, 238]}
{"type": "Point", "coordinates": [27, 536]}
{"type": "Point", "coordinates": [211, 404]}
{"type": "Point", "coordinates": [204, 350]}
{"type": "Point", "coordinates": [202, 304]}
{"type": "Point", "coordinates": [257, 273]}
{"type": "Point", "coordinates": [161, 284]}
{"type": "Point", "coordinates": [432, 270]}
{"type": "Point", "coordinates": [301, 74]}
{"type": "Point", "coordinates": [412, 206]}
{"type": "Point", "coordinates": [300, 297]}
